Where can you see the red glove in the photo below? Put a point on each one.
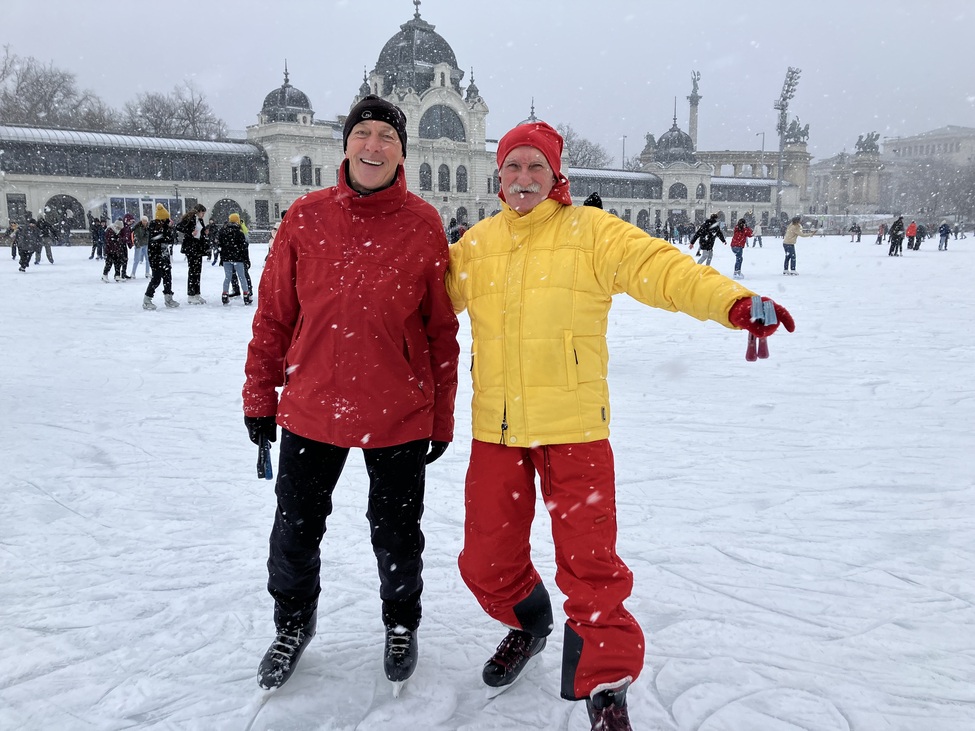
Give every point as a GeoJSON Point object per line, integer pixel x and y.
{"type": "Point", "coordinates": [740, 315]}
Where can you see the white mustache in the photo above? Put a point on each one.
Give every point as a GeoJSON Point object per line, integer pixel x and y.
{"type": "Point", "coordinates": [515, 188]}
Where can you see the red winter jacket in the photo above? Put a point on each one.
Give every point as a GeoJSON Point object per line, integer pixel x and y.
{"type": "Point", "coordinates": [911, 229]}
{"type": "Point", "coordinates": [740, 237]}
{"type": "Point", "coordinates": [353, 320]}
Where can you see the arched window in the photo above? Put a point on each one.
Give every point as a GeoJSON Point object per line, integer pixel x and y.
{"type": "Point", "coordinates": [462, 216]}
{"type": "Point", "coordinates": [224, 207]}
{"type": "Point", "coordinates": [461, 179]}
{"type": "Point", "coordinates": [441, 121]}
{"type": "Point", "coordinates": [678, 191]}
{"type": "Point", "coordinates": [443, 178]}
{"type": "Point", "coordinates": [304, 171]}
{"type": "Point", "coordinates": [64, 212]}
{"type": "Point", "coordinates": [426, 177]}
{"type": "Point", "coordinates": [643, 220]}
{"type": "Point", "coordinates": [702, 192]}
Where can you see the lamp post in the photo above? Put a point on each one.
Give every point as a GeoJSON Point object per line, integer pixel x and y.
{"type": "Point", "coordinates": [782, 106]}
{"type": "Point", "coordinates": [762, 158]}
{"type": "Point", "coordinates": [623, 161]}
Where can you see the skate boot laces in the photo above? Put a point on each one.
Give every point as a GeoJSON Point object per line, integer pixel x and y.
{"type": "Point", "coordinates": [398, 641]}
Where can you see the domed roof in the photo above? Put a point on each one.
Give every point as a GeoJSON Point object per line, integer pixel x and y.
{"type": "Point", "coordinates": [285, 103]}
{"type": "Point", "coordinates": [675, 145]}
{"type": "Point", "coordinates": [531, 117]}
{"type": "Point", "coordinates": [408, 58]}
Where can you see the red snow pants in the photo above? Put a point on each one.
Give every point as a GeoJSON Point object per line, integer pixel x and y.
{"type": "Point", "coordinates": [603, 642]}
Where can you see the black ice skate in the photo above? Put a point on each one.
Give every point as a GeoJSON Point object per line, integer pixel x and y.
{"type": "Point", "coordinates": [282, 656]}
{"type": "Point", "coordinates": [510, 659]}
{"type": "Point", "coordinates": [399, 658]}
{"type": "Point", "coordinates": [607, 710]}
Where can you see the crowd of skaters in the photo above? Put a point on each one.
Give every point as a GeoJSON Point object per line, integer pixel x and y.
{"type": "Point", "coordinates": [29, 239]}
{"type": "Point", "coordinates": [915, 233]}
{"type": "Point", "coordinates": [151, 244]}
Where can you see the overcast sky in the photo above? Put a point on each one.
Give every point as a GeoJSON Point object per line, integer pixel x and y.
{"type": "Point", "coordinates": [608, 68]}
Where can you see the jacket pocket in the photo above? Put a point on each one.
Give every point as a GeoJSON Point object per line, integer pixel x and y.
{"type": "Point", "coordinates": [291, 347]}
{"type": "Point", "coordinates": [571, 361]}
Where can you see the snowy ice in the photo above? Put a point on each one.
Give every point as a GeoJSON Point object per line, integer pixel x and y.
{"type": "Point", "coordinates": [801, 529]}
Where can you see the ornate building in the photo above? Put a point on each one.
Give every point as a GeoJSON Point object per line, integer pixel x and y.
{"type": "Point", "coordinates": [66, 175]}
{"type": "Point", "coordinates": [873, 179]}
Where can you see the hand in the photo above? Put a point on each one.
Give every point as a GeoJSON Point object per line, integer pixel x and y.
{"type": "Point", "coordinates": [261, 426]}
{"type": "Point", "coordinates": [740, 315]}
{"type": "Point", "coordinates": [436, 451]}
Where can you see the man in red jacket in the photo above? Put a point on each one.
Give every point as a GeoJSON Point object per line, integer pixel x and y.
{"type": "Point", "coordinates": [354, 325]}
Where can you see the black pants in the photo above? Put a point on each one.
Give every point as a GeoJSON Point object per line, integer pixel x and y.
{"type": "Point", "coordinates": [46, 246]}
{"type": "Point", "coordinates": [307, 474]}
{"type": "Point", "coordinates": [161, 272]}
{"type": "Point", "coordinates": [113, 260]}
{"type": "Point", "coordinates": [194, 270]}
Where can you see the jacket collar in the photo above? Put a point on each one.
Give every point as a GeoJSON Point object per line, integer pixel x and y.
{"type": "Point", "coordinates": [540, 214]}
{"type": "Point", "coordinates": [381, 202]}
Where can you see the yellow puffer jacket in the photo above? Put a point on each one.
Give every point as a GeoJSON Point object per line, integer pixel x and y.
{"type": "Point", "coordinates": [538, 289]}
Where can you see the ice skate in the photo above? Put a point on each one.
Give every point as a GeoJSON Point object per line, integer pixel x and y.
{"type": "Point", "coordinates": [510, 660]}
{"type": "Point", "coordinates": [282, 656]}
{"type": "Point", "coordinates": [400, 655]}
{"type": "Point", "coordinates": [607, 710]}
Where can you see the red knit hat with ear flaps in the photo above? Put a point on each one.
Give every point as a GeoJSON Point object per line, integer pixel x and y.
{"type": "Point", "coordinates": [547, 141]}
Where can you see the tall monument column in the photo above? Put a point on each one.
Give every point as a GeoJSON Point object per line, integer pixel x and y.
{"type": "Point", "coordinates": [694, 99]}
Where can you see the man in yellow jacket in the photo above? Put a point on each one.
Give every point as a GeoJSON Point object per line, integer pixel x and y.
{"type": "Point", "coordinates": [537, 280]}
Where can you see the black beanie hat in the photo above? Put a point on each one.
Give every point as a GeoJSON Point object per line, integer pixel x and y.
{"type": "Point", "coordinates": [372, 107]}
{"type": "Point", "coordinates": [594, 200]}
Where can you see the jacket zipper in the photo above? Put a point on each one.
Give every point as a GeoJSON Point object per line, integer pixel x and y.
{"type": "Point", "coordinates": [504, 423]}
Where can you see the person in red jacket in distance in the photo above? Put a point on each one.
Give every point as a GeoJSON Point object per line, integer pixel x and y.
{"type": "Point", "coordinates": [354, 325]}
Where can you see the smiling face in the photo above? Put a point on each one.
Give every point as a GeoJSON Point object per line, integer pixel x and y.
{"type": "Point", "coordinates": [374, 152]}
{"type": "Point", "coordinates": [526, 178]}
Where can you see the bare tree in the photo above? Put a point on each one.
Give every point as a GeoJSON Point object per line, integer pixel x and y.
{"type": "Point", "coordinates": [95, 115]}
{"type": "Point", "coordinates": [962, 194]}
{"type": "Point", "coordinates": [45, 96]}
{"type": "Point", "coordinates": [36, 94]}
{"type": "Point", "coordinates": [6, 64]}
{"type": "Point", "coordinates": [581, 152]}
{"type": "Point", "coordinates": [195, 116]}
{"type": "Point", "coordinates": [633, 163]}
{"type": "Point", "coordinates": [182, 113]}
{"type": "Point", "coordinates": [151, 115]}
{"type": "Point", "coordinates": [924, 187]}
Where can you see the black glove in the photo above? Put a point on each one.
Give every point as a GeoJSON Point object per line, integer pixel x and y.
{"type": "Point", "coordinates": [261, 426]}
{"type": "Point", "coordinates": [436, 451]}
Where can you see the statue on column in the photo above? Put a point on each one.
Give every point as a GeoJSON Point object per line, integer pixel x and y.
{"type": "Point", "coordinates": [868, 144]}
{"type": "Point", "coordinates": [795, 133]}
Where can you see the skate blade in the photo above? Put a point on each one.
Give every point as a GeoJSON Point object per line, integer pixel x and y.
{"type": "Point", "coordinates": [494, 692]}
{"type": "Point", "coordinates": [397, 687]}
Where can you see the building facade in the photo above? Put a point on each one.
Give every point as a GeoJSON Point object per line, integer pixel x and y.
{"type": "Point", "coordinates": [875, 180]}
{"type": "Point", "coordinates": [68, 175]}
